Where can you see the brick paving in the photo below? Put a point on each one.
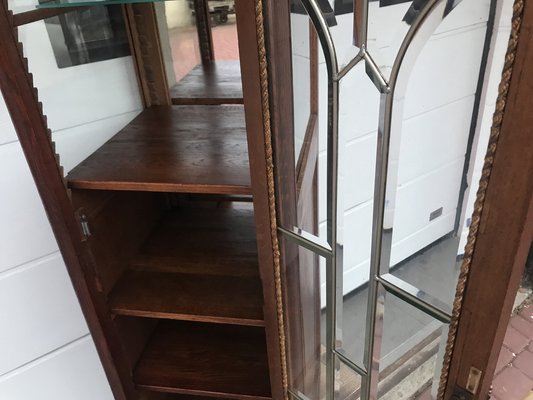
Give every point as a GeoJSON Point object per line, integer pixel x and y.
{"type": "Point", "coordinates": [513, 379]}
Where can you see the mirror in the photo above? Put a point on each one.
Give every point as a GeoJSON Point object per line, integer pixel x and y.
{"type": "Point", "coordinates": [200, 51]}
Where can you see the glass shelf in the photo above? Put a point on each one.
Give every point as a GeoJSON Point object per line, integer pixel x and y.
{"type": "Point", "coordinates": [85, 3]}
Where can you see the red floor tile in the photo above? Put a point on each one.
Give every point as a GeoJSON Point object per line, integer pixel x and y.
{"type": "Point", "coordinates": [524, 362]}
{"type": "Point", "coordinates": [511, 384]}
{"type": "Point", "coordinates": [506, 356]}
{"type": "Point", "coordinates": [523, 326]}
{"type": "Point", "coordinates": [514, 340]}
{"type": "Point", "coordinates": [527, 313]}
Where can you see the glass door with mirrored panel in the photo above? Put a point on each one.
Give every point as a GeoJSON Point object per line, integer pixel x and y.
{"type": "Point", "coordinates": [405, 92]}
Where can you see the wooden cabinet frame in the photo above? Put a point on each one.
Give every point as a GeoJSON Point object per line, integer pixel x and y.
{"type": "Point", "coordinates": [35, 138]}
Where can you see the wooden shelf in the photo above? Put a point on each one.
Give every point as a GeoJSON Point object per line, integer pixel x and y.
{"type": "Point", "coordinates": [197, 265]}
{"type": "Point", "coordinates": [216, 83]}
{"type": "Point", "coordinates": [223, 361]}
{"type": "Point", "coordinates": [191, 149]}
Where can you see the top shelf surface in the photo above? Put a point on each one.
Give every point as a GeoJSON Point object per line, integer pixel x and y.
{"type": "Point", "coordinates": [187, 149]}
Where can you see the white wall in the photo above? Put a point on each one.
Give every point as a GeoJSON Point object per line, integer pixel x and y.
{"type": "Point", "coordinates": [46, 351]}
{"type": "Point", "coordinates": [500, 39]}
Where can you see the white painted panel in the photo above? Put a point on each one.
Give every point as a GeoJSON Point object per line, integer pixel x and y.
{"type": "Point", "coordinates": [81, 94]}
{"type": "Point", "coordinates": [77, 143]}
{"type": "Point", "coordinates": [357, 235]}
{"type": "Point", "coordinates": [445, 72]}
{"type": "Point", "coordinates": [71, 373]}
{"type": "Point", "coordinates": [434, 138]}
{"type": "Point", "coordinates": [417, 199]}
{"type": "Point", "coordinates": [7, 131]}
{"type": "Point", "coordinates": [495, 64]}
{"type": "Point", "coordinates": [42, 311]}
{"type": "Point", "coordinates": [25, 232]}
{"type": "Point", "coordinates": [424, 237]}
{"type": "Point", "coordinates": [467, 13]}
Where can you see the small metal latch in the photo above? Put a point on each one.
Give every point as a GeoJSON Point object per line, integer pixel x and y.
{"type": "Point", "coordinates": [85, 228]}
{"type": "Point", "coordinates": [474, 377]}
{"type": "Point", "coordinates": [461, 394]}
{"type": "Point", "coordinates": [84, 225]}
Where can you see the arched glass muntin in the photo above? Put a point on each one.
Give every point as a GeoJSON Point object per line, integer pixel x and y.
{"type": "Point", "coordinates": [380, 280]}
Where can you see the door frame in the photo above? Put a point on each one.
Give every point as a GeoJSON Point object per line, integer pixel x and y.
{"type": "Point", "coordinates": [501, 231]}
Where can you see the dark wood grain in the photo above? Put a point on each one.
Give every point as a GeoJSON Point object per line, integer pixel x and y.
{"type": "Point", "coordinates": [224, 361]}
{"type": "Point", "coordinates": [119, 223]}
{"type": "Point", "coordinates": [199, 265]}
{"type": "Point", "coordinates": [214, 83]}
{"type": "Point", "coordinates": [148, 58]}
{"type": "Point", "coordinates": [505, 231]}
{"type": "Point", "coordinates": [194, 149]}
{"type": "Point", "coordinates": [250, 70]}
{"type": "Point", "coordinates": [189, 297]}
{"type": "Point", "coordinates": [216, 242]}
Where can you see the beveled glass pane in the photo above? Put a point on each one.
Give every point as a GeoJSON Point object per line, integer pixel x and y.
{"type": "Point", "coordinates": [342, 27]}
{"type": "Point", "coordinates": [79, 3]}
{"type": "Point", "coordinates": [390, 20]}
{"type": "Point", "coordinates": [358, 125]}
{"type": "Point", "coordinates": [433, 132]}
{"type": "Point", "coordinates": [302, 55]}
{"type": "Point", "coordinates": [307, 344]}
{"type": "Point", "coordinates": [412, 345]}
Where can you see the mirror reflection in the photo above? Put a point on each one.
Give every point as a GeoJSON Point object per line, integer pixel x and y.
{"type": "Point", "coordinates": [200, 50]}
{"type": "Point", "coordinates": [440, 110]}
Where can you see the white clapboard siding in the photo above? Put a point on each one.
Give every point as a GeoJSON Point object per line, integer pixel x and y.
{"type": "Point", "coordinates": [81, 94]}
{"type": "Point", "coordinates": [45, 350]}
{"type": "Point", "coordinates": [39, 309]}
{"type": "Point", "coordinates": [73, 372]}
{"type": "Point", "coordinates": [25, 233]}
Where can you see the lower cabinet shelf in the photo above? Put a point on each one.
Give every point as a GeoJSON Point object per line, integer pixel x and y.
{"type": "Point", "coordinates": [190, 358]}
{"type": "Point", "coordinates": [196, 265]}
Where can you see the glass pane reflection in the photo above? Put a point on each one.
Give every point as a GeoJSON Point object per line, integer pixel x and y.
{"type": "Point", "coordinates": [307, 345]}
{"type": "Point", "coordinates": [411, 349]}
{"type": "Point", "coordinates": [431, 138]}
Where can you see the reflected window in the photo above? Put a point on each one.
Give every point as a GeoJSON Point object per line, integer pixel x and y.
{"type": "Point", "coordinates": [90, 35]}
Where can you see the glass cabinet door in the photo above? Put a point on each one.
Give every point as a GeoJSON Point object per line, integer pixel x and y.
{"type": "Point", "coordinates": [393, 101]}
